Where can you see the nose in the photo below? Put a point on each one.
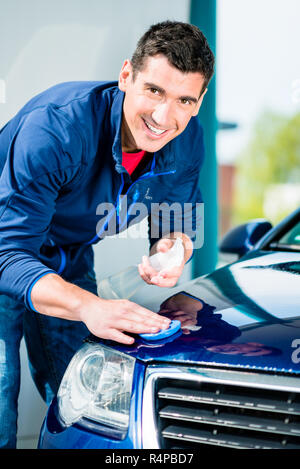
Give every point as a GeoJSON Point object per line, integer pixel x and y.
{"type": "Point", "coordinates": [163, 114]}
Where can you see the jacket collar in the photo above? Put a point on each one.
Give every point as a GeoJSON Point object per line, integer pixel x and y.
{"type": "Point", "coordinates": [163, 160]}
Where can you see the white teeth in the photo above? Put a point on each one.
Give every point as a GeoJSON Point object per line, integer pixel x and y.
{"type": "Point", "coordinates": [153, 129]}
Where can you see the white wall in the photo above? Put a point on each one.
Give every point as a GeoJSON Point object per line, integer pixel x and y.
{"type": "Point", "coordinates": [45, 42]}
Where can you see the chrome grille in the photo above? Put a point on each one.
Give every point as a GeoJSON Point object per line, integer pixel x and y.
{"type": "Point", "coordinates": [194, 407]}
{"type": "Point", "coordinates": [191, 414]}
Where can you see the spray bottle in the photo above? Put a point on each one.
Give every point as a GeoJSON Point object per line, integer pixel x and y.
{"type": "Point", "coordinates": [126, 283]}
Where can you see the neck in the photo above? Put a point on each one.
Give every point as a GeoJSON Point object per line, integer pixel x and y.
{"type": "Point", "coordinates": [128, 142]}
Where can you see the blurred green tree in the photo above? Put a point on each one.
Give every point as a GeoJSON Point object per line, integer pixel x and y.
{"type": "Point", "coordinates": [268, 170]}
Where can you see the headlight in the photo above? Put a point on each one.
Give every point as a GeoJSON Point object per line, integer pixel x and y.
{"type": "Point", "coordinates": [97, 385]}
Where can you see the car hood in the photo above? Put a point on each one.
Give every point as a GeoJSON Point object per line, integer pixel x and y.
{"type": "Point", "coordinates": [250, 317]}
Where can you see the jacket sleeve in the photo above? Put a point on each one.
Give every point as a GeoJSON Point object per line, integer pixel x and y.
{"type": "Point", "coordinates": [182, 208]}
{"type": "Point", "coordinates": [37, 166]}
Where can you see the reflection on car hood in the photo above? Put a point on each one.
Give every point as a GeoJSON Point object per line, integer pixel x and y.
{"type": "Point", "coordinates": [250, 318]}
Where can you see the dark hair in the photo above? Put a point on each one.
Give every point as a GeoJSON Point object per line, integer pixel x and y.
{"type": "Point", "coordinates": [183, 44]}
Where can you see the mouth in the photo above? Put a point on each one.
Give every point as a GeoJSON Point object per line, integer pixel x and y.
{"type": "Point", "coordinates": [154, 131]}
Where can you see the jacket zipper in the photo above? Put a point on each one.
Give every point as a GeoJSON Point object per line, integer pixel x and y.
{"type": "Point", "coordinates": [116, 209]}
{"type": "Point", "coordinates": [145, 176]}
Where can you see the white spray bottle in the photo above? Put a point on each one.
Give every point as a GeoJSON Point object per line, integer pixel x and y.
{"type": "Point", "coordinates": [126, 283]}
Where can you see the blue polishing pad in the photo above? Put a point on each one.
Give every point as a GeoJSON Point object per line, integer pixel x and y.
{"type": "Point", "coordinates": [163, 333]}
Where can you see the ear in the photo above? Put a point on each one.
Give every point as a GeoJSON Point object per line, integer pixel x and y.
{"type": "Point", "coordinates": [125, 75]}
{"type": "Point", "coordinates": [199, 102]}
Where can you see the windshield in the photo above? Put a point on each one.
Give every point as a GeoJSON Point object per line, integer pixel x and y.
{"type": "Point", "coordinates": [292, 236]}
{"type": "Point", "coordinates": [290, 240]}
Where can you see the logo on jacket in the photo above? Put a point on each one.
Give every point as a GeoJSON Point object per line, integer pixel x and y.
{"type": "Point", "coordinates": [147, 195]}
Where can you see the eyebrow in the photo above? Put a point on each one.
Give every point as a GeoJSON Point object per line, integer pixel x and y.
{"type": "Point", "coordinates": [162, 91]}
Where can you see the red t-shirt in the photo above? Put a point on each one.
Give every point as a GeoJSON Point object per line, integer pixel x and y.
{"type": "Point", "coordinates": [131, 160]}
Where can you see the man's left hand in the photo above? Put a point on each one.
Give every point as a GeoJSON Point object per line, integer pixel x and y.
{"type": "Point", "coordinates": [165, 278]}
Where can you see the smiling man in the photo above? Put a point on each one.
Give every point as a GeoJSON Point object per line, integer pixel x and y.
{"type": "Point", "coordinates": [158, 104]}
{"type": "Point", "coordinates": [69, 149]}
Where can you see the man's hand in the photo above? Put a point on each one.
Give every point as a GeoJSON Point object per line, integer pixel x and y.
{"type": "Point", "coordinates": [107, 319]}
{"type": "Point", "coordinates": [165, 278]}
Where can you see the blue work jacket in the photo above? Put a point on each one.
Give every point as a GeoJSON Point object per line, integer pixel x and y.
{"type": "Point", "coordinates": [60, 160]}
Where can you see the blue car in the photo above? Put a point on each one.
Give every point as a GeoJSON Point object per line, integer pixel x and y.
{"type": "Point", "coordinates": [229, 377]}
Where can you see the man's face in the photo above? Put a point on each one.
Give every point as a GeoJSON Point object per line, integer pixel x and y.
{"type": "Point", "coordinates": [158, 103]}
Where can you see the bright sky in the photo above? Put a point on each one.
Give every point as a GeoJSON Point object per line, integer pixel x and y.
{"type": "Point", "coordinates": [258, 64]}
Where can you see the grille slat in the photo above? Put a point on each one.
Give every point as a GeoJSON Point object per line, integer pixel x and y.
{"type": "Point", "coordinates": [230, 415]}
{"type": "Point", "coordinates": [219, 418]}
{"type": "Point", "coordinates": [229, 399]}
{"type": "Point", "coordinates": [190, 435]}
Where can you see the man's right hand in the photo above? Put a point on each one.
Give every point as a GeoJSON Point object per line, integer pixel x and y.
{"type": "Point", "coordinates": [107, 319]}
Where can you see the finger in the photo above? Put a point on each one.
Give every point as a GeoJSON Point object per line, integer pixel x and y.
{"type": "Point", "coordinates": [142, 273]}
{"type": "Point", "coordinates": [164, 245]}
{"type": "Point", "coordinates": [150, 275]}
{"type": "Point", "coordinates": [145, 322]}
{"type": "Point", "coordinates": [147, 267]}
{"type": "Point", "coordinates": [118, 336]}
{"type": "Point", "coordinates": [174, 272]}
{"type": "Point", "coordinates": [143, 314]}
{"type": "Point", "coordinates": [136, 327]}
{"type": "Point", "coordinates": [164, 282]}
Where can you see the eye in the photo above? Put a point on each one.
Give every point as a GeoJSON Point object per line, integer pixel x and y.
{"type": "Point", "coordinates": [154, 90]}
{"type": "Point", "coordinates": [186, 101]}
